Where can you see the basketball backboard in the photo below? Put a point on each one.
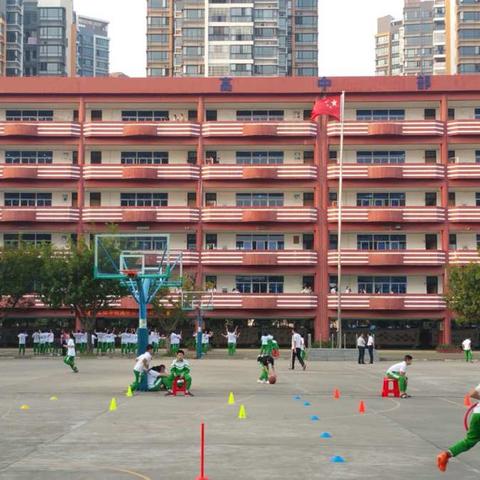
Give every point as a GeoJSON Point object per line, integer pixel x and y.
{"type": "Point", "coordinates": [196, 300]}
{"type": "Point", "coordinates": [121, 256]}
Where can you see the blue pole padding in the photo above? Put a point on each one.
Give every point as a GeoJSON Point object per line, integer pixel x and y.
{"type": "Point", "coordinates": [142, 332]}
{"type": "Point", "coordinates": [199, 334]}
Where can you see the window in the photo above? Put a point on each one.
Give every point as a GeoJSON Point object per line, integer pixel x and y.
{"type": "Point", "coordinates": [96, 115]}
{"type": "Point", "coordinates": [430, 199]}
{"type": "Point", "coordinates": [157, 56]}
{"type": "Point", "coordinates": [193, 33]}
{"type": "Point", "coordinates": [259, 115]}
{"type": "Point", "coordinates": [385, 284]}
{"type": "Point", "coordinates": [95, 199]}
{"type": "Point", "coordinates": [160, 38]}
{"type": "Point", "coordinates": [380, 199]}
{"type": "Point", "coordinates": [28, 158]}
{"type": "Point", "coordinates": [477, 114]}
{"type": "Point", "coordinates": [191, 241]}
{"type": "Point", "coordinates": [308, 199]}
{"type": "Point", "coordinates": [306, 54]}
{"type": "Point", "coordinates": [264, 52]}
{"type": "Point", "coordinates": [23, 199]}
{"type": "Point", "coordinates": [144, 158]}
{"type": "Point", "coordinates": [146, 243]}
{"type": "Point", "coordinates": [210, 199]}
{"type": "Point", "coordinates": [260, 242]}
{"type": "Point", "coordinates": [307, 243]}
{"type": "Point", "coordinates": [469, 34]}
{"type": "Point", "coordinates": [378, 115]}
{"type": "Point", "coordinates": [266, 70]}
{"type": "Point", "coordinates": [52, 33]}
{"type": "Point", "coordinates": [308, 157]}
{"type": "Point", "coordinates": [259, 199]}
{"type": "Point", "coordinates": [144, 115]}
{"type": "Point", "coordinates": [430, 156]}
{"type": "Point", "coordinates": [210, 281]}
{"type": "Point", "coordinates": [430, 114]}
{"type": "Point", "coordinates": [96, 157]}
{"type": "Point", "coordinates": [144, 199]}
{"type": "Point", "coordinates": [306, 21]}
{"type": "Point", "coordinates": [469, 68]}
{"type": "Point", "coordinates": [477, 156]}
{"type": "Point", "coordinates": [192, 157]}
{"type": "Point", "coordinates": [157, 3]}
{"type": "Point", "coordinates": [477, 199]}
{"type": "Point", "coordinates": [451, 114]}
{"type": "Point", "coordinates": [431, 241]}
{"type": "Point", "coordinates": [29, 115]}
{"type": "Point", "coordinates": [211, 115]}
{"type": "Point", "coordinates": [432, 285]}
{"type": "Point", "coordinates": [333, 242]}
{"type": "Point", "coordinates": [306, 72]}
{"type": "Point", "coordinates": [381, 157]}
{"type": "Point", "coordinates": [52, 13]}
{"type": "Point", "coordinates": [452, 241]}
{"type": "Point", "coordinates": [259, 158]}
{"type": "Point", "coordinates": [306, 38]}
{"type": "Point", "coordinates": [451, 199]}
{"type": "Point", "coordinates": [191, 199]}
{"type": "Point", "coordinates": [211, 241]}
{"type": "Point", "coordinates": [157, 21]}
{"type": "Point", "coordinates": [12, 240]}
{"type": "Point", "coordinates": [259, 283]}
{"type": "Point", "coordinates": [381, 242]}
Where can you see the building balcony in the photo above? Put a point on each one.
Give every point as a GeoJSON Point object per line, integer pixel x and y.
{"type": "Point", "coordinates": [39, 214]}
{"type": "Point", "coordinates": [409, 301]}
{"type": "Point", "coordinates": [39, 129]}
{"type": "Point", "coordinates": [463, 171]}
{"type": "Point", "coordinates": [388, 214]}
{"type": "Point", "coordinates": [259, 214]}
{"type": "Point", "coordinates": [141, 172]}
{"type": "Point", "coordinates": [386, 128]}
{"type": "Point", "coordinates": [142, 129]}
{"type": "Point", "coordinates": [461, 257]}
{"type": "Point", "coordinates": [260, 172]}
{"type": "Point", "coordinates": [40, 172]}
{"type": "Point", "coordinates": [388, 258]}
{"type": "Point", "coordinates": [464, 214]}
{"type": "Point", "coordinates": [259, 129]}
{"type": "Point", "coordinates": [408, 171]}
{"type": "Point", "coordinates": [260, 258]}
{"type": "Point", "coordinates": [141, 214]}
{"type": "Point", "coordinates": [464, 127]}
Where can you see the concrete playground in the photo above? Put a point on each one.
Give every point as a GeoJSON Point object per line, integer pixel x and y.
{"type": "Point", "coordinates": [151, 436]}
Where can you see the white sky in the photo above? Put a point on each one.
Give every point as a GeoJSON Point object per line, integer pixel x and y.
{"type": "Point", "coordinates": [345, 49]}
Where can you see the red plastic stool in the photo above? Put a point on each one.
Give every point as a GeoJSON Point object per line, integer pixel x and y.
{"type": "Point", "coordinates": [179, 385]}
{"type": "Point", "coordinates": [390, 386]}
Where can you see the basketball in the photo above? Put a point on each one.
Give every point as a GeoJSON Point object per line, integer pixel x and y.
{"type": "Point", "coordinates": [272, 379]}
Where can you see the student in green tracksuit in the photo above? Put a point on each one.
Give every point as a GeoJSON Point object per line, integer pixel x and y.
{"type": "Point", "coordinates": [179, 368]}
{"type": "Point", "coordinates": [70, 358]}
{"type": "Point", "coordinates": [22, 339]}
{"type": "Point", "coordinates": [157, 378]}
{"type": "Point", "coordinates": [142, 366]}
{"type": "Point", "coordinates": [399, 372]}
{"type": "Point", "coordinates": [472, 438]}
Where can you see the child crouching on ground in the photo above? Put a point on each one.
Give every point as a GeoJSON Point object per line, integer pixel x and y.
{"type": "Point", "coordinates": [267, 365]}
{"type": "Point", "coordinates": [157, 379]}
{"type": "Point", "coordinates": [179, 368]}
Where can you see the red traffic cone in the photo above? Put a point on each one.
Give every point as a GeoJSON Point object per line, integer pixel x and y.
{"type": "Point", "coordinates": [466, 401]}
{"type": "Point", "coordinates": [336, 394]}
{"type": "Point", "coordinates": [361, 407]}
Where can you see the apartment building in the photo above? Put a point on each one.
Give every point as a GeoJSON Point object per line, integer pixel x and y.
{"type": "Point", "coordinates": [439, 37]}
{"type": "Point", "coordinates": [93, 47]}
{"type": "Point", "coordinates": [247, 187]}
{"type": "Point", "coordinates": [232, 38]}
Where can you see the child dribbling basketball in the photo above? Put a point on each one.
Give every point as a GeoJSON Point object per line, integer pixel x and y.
{"type": "Point", "coordinates": [267, 373]}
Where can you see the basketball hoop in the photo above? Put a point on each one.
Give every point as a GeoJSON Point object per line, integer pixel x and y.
{"type": "Point", "coordinates": [130, 273]}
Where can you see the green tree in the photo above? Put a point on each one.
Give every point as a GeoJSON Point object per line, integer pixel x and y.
{"type": "Point", "coordinates": [463, 295]}
{"type": "Point", "coordinates": [20, 269]}
{"type": "Point", "coordinates": [67, 281]}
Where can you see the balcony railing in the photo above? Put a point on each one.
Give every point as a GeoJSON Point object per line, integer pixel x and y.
{"type": "Point", "coordinates": [260, 129]}
{"type": "Point", "coordinates": [376, 258]}
{"type": "Point", "coordinates": [39, 214]}
{"type": "Point", "coordinates": [140, 214]}
{"type": "Point", "coordinates": [259, 215]}
{"type": "Point", "coordinates": [464, 214]}
{"type": "Point", "coordinates": [409, 301]}
{"type": "Point", "coordinates": [55, 171]}
{"type": "Point", "coordinates": [459, 257]}
{"type": "Point", "coordinates": [386, 128]}
{"type": "Point", "coordinates": [388, 215]}
{"type": "Point", "coordinates": [142, 129]}
{"type": "Point", "coordinates": [256, 257]}
{"type": "Point", "coordinates": [259, 172]}
{"type": "Point", "coordinates": [142, 172]}
{"type": "Point", "coordinates": [39, 129]}
{"type": "Point", "coordinates": [409, 171]}
{"type": "Point", "coordinates": [464, 127]}
{"type": "Point", "coordinates": [464, 171]}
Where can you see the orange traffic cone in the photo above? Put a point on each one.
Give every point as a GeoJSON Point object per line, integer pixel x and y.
{"type": "Point", "coordinates": [361, 407]}
{"type": "Point", "coordinates": [336, 394]}
{"type": "Point", "coordinates": [466, 401]}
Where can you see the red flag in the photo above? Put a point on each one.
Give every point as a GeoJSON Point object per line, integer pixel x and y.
{"type": "Point", "coordinates": [327, 106]}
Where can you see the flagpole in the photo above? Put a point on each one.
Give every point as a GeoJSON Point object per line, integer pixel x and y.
{"type": "Point", "coordinates": [339, 225]}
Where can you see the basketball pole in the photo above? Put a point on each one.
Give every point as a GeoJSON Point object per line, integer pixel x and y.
{"type": "Point", "coordinates": [199, 333]}
{"type": "Point", "coordinates": [142, 331]}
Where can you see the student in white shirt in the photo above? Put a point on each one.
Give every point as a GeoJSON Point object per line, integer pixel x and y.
{"type": "Point", "coordinates": [142, 366]}
{"type": "Point", "coordinates": [370, 346]}
{"type": "Point", "coordinates": [50, 340]}
{"type": "Point", "coordinates": [297, 349]}
{"type": "Point", "coordinates": [231, 340]}
{"type": "Point", "coordinates": [399, 372]}
{"type": "Point", "coordinates": [156, 378]}
{"type": "Point", "coordinates": [175, 340]}
{"type": "Point", "coordinates": [70, 358]}
{"type": "Point", "coordinates": [361, 344]}
{"type": "Point", "coordinates": [467, 348]}
{"type": "Point", "coordinates": [472, 438]}
{"type": "Point", "coordinates": [22, 340]}
{"type": "Point", "coordinates": [206, 341]}
{"type": "Point", "coordinates": [36, 342]}
{"type": "Point", "coordinates": [124, 337]}
{"type": "Point", "coordinates": [264, 344]}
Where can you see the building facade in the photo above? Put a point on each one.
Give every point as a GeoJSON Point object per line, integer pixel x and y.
{"type": "Point", "coordinates": [230, 38]}
{"type": "Point", "coordinates": [389, 40]}
{"type": "Point", "coordinates": [247, 187]}
{"type": "Point", "coordinates": [439, 37]}
{"type": "Point", "coordinates": [93, 47]}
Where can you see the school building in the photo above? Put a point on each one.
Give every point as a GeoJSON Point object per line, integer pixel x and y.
{"type": "Point", "coordinates": [247, 187]}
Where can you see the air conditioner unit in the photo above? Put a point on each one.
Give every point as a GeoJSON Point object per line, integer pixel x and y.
{"type": "Point", "coordinates": [297, 114]}
{"type": "Point", "coordinates": [297, 155]}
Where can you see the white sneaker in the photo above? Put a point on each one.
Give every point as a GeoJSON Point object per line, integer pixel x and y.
{"type": "Point", "coordinates": [259, 381]}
